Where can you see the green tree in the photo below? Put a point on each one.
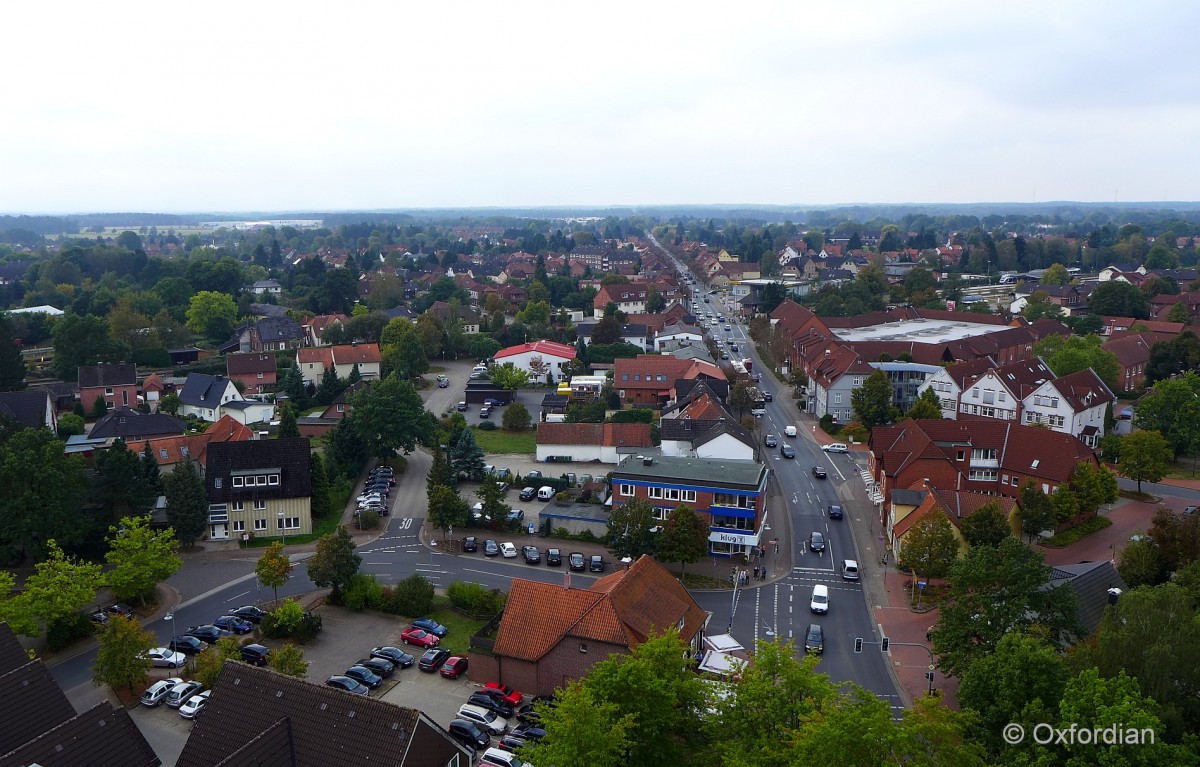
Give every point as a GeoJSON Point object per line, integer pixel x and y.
{"type": "Point", "coordinates": [150, 474]}
{"type": "Point", "coordinates": [684, 537]}
{"type": "Point", "coordinates": [495, 510]}
{"type": "Point", "coordinates": [508, 376]}
{"type": "Point", "coordinates": [930, 547]}
{"type": "Point", "coordinates": [141, 558]}
{"type": "Point", "coordinates": [483, 347]}
{"type": "Point", "coordinates": [1022, 682]}
{"type": "Point", "coordinates": [334, 564]}
{"type": "Point", "coordinates": [631, 529]}
{"type": "Point", "coordinates": [607, 331]}
{"type": "Point", "coordinates": [447, 509]}
{"type": "Point", "coordinates": [170, 404]}
{"type": "Point", "coordinates": [927, 407]}
{"type": "Point", "coordinates": [212, 314]}
{"type": "Point", "coordinates": [287, 423]}
{"type": "Point", "coordinates": [70, 424]}
{"type": "Point", "coordinates": [1057, 274]}
{"type": "Point", "coordinates": [401, 349]}
{"type": "Point", "coordinates": [1039, 306]}
{"type": "Point", "coordinates": [440, 473]}
{"type": "Point", "coordinates": [210, 662]}
{"type": "Point", "coordinates": [83, 341]}
{"type": "Point", "coordinates": [1036, 512]}
{"type": "Point", "coordinates": [273, 567]}
{"type": "Point", "coordinates": [12, 365]}
{"type": "Point", "coordinates": [187, 504]}
{"type": "Point", "coordinates": [994, 591]}
{"type": "Point", "coordinates": [322, 501]}
{"type": "Point", "coordinates": [330, 386]}
{"type": "Point", "coordinates": [516, 417]}
{"type": "Point", "coordinates": [1179, 313]}
{"type": "Point", "coordinates": [580, 729]}
{"type": "Point", "coordinates": [289, 660]}
{"type": "Point", "coordinates": [36, 474]}
{"type": "Point", "coordinates": [59, 586]}
{"type": "Point", "coordinates": [986, 526]}
{"type": "Point", "coordinates": [466, 457]}
{"type": "Point", "coordinates": [99, 407]}
{"type": "Point", "coordinates": [391, 416]}
{"type": "Point", "coordinates": [1117, 298]}
{"type": "Point", "coordinates": [291, 383]}
{"type": "Point", "coordinates": [1070, 354]}
{"type": "Point", "coordinates": [1173, 410]}
{"type": "Point", "coordinates": [655, 303]}
{"type": "Point", "coordinates": [1093, 487]}
{"type": "Point", "coordinates": [1140, 564]}
{"type": "Point", "coordinates": [739, 397]}
{"type": "Point", "coordinates": [413, 595]}
{"type": "Point", "coordinates": [1145, 456]}
{"type": "Point", "coordinates": [123, 660]}
{"type": "Point", "coordinates": [121, 481]}
{"type": "Point", "coordinates": [872, 401]}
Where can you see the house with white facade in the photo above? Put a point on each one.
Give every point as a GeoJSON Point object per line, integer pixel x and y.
{"type": "Point", "coordinates": [209, 397]}
{"type": "Point", "coordinates": [949, 382]}
{"type": "Point", "coordinates": [603, 442]}
{"type": "Point", "coordinates": [981, 388]}
{"type": "Point", "coordinates": [538, 358]}
{"type": "Point", "coordinates": [720, 438]}
{"type": "Point", "coordinates": [676, 335]}
{"type": "Point", "coordinates": [1074, 404]}
{"type": "Point", "coordinates": [314, 361]}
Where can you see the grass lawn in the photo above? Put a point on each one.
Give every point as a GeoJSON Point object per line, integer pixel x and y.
{"type": "Point", "coordinates": [322, 526]}
{"type": "Point", "coordinates": [459, 627]}
{"type": "Point", "coordinates": [500, 441]}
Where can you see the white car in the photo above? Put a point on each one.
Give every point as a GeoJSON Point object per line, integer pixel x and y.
{"type": "Point", "coordinates": [157, 692]}
{"type": "Point", "coordinates": [483, 719]}
{"type": "Point", "coordinates": [162, 657]}
{"type": "Point", "coordinates": [370, 497]}
{"type": "Point", "coordinates": [835, 447]}
{"type": "Point", "coordinates": [508, 551]}
{"type": "Point", "coordinates": [194, 705]}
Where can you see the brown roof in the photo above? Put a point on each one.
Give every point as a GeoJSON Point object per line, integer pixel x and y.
{"type": "Point", "coordinates": [100, 735]}
{"type": "Point", "coordinates": [1130, 350]}
{"type": "Point", "coordinates": [240, 363]}
{"type": "Point", "coordinates": [169, 451]}
{"type": "Point", "coordinates": [30, 703]}
{"type": "Point", "coordinates": [963, 372]}
{"type": "Point", "coordinates": [342, 354]}
{"type": "Point", "coordinates": [308, 723]}
{"type": "Point", "coordinates": [607, 434]}
{"type": "Point", "coordinates": [1083, 390]}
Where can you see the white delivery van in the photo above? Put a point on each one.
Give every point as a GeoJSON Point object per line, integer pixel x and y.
{"type": "Point", "coordinates": [545, 493]}
{"type": "Point", "coordinates": [819, 603]}
{"type": "Point", "coordinates": [789, 431]}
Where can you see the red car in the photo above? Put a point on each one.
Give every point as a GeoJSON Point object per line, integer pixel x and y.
{"type": "Point", "coordinates": [419, 637]}
{"type": "Point", "coordinates": [454, 667]}
{"type": "Point", "coordinates": [503, 691]}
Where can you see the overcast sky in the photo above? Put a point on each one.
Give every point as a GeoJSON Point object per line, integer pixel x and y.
{"type": "Point", "coordinates": [229, 106]}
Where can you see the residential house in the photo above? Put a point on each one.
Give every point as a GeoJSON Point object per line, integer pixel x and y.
{"type": "Point", "coordinates": [677, 335]}
{"type": "Point", "coordinates": [985, 456]}
{"type": "Point", "coordinates": [648, 378]}
{"type": "Point", "coordinates": [579, 442]}
{"type": "Point", "coordinates": [258, 717]}
{"type": "Point", "coordinates": [1162, 304]}
{"type": "Point", "coordinates": [314, 361]}
{"type": "Point", "coordinates": [1114, 327]}
{"type": "Point", "coordinates": [542, 360]}
{"type": "Point", "coordinates": [41, 726]}
{"type": "Point", "coordinates": [447, 314]}
{"type": "Point", "coordinates": [169, 452]}
{"type": "Point", "coordinates": [115, 383]}
{"type": "Point", "coordinates": [265, 335]}
{"type": "Point", "coordinates": [260, 487]}
{"type": "Point", "coordinates": [998, 392]}
{"type": "Point", "coordinates": [1133, 354]}
{"type": "Point", "coordinates": [631, 333]}
{"type": "Point", "coordinates": [153, 390]}
{"type": "Point", "coordinates": [1073, 404]}
{"type": "Point", "coordinates": [320, 425]}
{"type": "Point", "coordinates": [551, 634]}
{"type": "Point", "coordinates": [629, 298]}
{"type": "Point", "coordinates": [1115, 271]}
{"type": "Point", "coordinates": [314, 329]}
{"type": "Point", "coordinates": [1096, 585]}
{"type": "Point", "coordinates": [255, 371]}
{"type": "Point", "coordinates": [209, 397]}
{"type": "Point", "coordinates": [954, 505]}
{"type": "Point", "coordinates": [31, 409]}
{"type": "Point", "coordinates": [950, 381]}
{"type": "Point", "coordinates": [730, 495]}
{"type": "Point", "coordinates": [717, 439]}
{"type": "Point", "coordinates": [129, 424]}
{"type": "Point", "coordinates": [265, 287]}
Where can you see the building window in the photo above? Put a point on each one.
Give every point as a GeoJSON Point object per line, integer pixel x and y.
{"type": "Point", "coordinates": [288, 523]}
{"type": "Point", "coordinates": [217, 482]}
{"type": "Point", "coordinates": [261, 479]}
{"type": "Point", "coordinates": [108, 392]}
{"type": "Point", "coordinates": [238, 525]}
{"type": "Point", "coordinates": [272, 479]}
{"type": "Point", "coordinates": [260, 375]}
{"type": "Point", "coordinates": [962, 454]}
{"type": "Point", "coordinates": [983, 474]}
{"type": "Point", "coordinates": [184, 452]}
{"type": "Point", "coordinates": [837, 398]}
{"type": "Point", "coordinates": [237, 506]}
{"type": "Point", "coordinates": [687, 495]}
{"type": "Point", "coordinates": [662, 512]}
{"type": "Point", "coordinates": [260, 524]}
{"type": "Point", "coordinates": [984, 454]}
{"type": "Point", "coordinates": [627, 491]}
{"type": "Point", "coordinates": [259, 504]}
{"type": "Point", "coordinates": [237, 481]}
{"type": "Point", "coordinates": [162, 453]}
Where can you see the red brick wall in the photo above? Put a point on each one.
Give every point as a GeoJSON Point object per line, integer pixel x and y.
{"type": "Point", "coordinates": [565, 662]}
{"type": "Point", "coordinates": [87, 397]}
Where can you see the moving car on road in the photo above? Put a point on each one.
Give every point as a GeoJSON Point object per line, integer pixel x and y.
{"type": "Point", "coordinates": [819, 472]}
{"type": "Point", "coordinates": [787, 451]}
{"type": "Point", "coordinates": [835, 447]}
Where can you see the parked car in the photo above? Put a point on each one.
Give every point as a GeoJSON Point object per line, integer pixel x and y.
{"type": "Point", "coordinates": [493, 402]}
{"type": "Point", "coordinates": [485, 412]}
{"type": "Point", "coordinates": [484, 719]}
{"type": "Point", "coordinates": [835, 447]}
{"type": "Point", "coordinates": [835, 511]}
{"type": "Point", "coordinates": [347, 684]}
{"type": "Point", "coordinates": [492, 703]}
{"type": "Point", "coordinates": [531, 554]}
{"type": "Point", "coordinates": [553, 558]}
{"type": "Point", "coordinates": [188, 645]}
{"type": "Point", "coordinates": [468, 733]}
{"type": "Point", "coordinates": [596, 564]}
{"type": "Point", "coordinates": [529, 732]}
{"type": "Point", "coordinates": [534, 474]}
{"type": "Point", "coordinates": [508, 550]}
{"type": "Point", "coordinates": [157, 692]}
{"type": "Point", "coordinates": [514, 515]}
{"type": "Point", "coordinates": [121, 609]}
{"type": "Point", "coordinates": [498, 757]}
{"type": "Point", "coordinates": [364, 675]}
{"type": "Point", "coordinates": [510, 743]}
{"type": "Point", "coordinates": [576, 562]}
{"type": "Point", "coordinates": [443, 382]}
{"type": "Point", "coordinates": [771, 441]}
{"type": "Point", "coordinates": [234, 624]}
{"type": "Point", "coordinates": [506, 692]}
{"type": "Point", "coordinates": [432, 626]}
{"type": "Point", "coordinates": [433, 659]}
{"type": "Point", "coordinates": [378, 666]}
{"type": "Point", "coordinates": [395, 655]}
{"type": "Point", "coordinates": [818, 472]}
{"type": "Point", "coordinates": [527, 494]}
{"type": "Point", "coordinates": [816, 542]}
{"type": "Point", "coordinates": [250, 613]}
{"type": "Point", "coordinates": [181, 692]}
{"type": "Point", "coordinates": [192, 707]}
{"type": "Point", "coordinates": [162, 657]}
{"type": "Point", "coordinates": [454, 667]}
{"type": "Point", "coordinates": [470, 544]}
{"type": "Point", "coordinates": [256, 654]}
{"type": "Point", "coordinates": [814, 639]}
{"type": "Point", "coordinates": [99, 619]}
{"type": "Point", "coordinates": [461, 407]}
{"type": "Point", "coordinates": [491, 548]}
{"type": "Point", "coordinates": [787, 451]}
{"type": "Point", "coordinates": [419, 637]}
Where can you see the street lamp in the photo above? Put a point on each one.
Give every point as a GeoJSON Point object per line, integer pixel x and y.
{"type": "Point", "coordinates": [170, 618]}
{"type": "Point", "coordinates": [282, 529]}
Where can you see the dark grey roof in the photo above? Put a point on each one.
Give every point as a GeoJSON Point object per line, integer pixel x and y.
{"type": "Point", "coordinates": [688, 388]}
{"type": "Point", "coordinates": [1090, 581]}
{"type": "Point", "coordinates": [203, 390]}
{"type": "Point", "coordinates": [279, 329]}
{"type": "Point", "coordinates": [289, 457]}
{"type": "Point", "coordinates": [400, 311]}
{"type": "Point", "coordinates": [30, 703]}
{"type": "Point", "coordinates": [12, 655]}
{"type": "Point", "coordinates": [712, 472]}
{"type": "Point", "coordinates": [310, 724]}
{"type": "Point", "coordinates": [126, 422]}
{"type": "Point", "coordinates": [268, 310]}
{"type": "Point", "coordinates": [27, 408]}
{"type": "Point", "coordinates": [701, 431]}
{"type": "Point", "coordinates": [100, 735]}
{"type": "Point", "coordinates": [908, 497]}
{"type": "Point", "coordinates": [108, 374]}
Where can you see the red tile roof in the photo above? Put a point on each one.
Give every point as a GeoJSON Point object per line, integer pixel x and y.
{"type": "Point", "coordinates": [241, 363]}
{"type": "Point", "coordinates": [606, 434]}
{"type": "Point", "coordinates": [169, 451]}
{"type": "Point", "coordinates": [552, 348]}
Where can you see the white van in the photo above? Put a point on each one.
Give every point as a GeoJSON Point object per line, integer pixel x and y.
{"type": "Point", "coordinates": [545, 493]}
{"type": "Point", "coordinates": [819, 603]}
{"type": "Point", "coordinates": [789, 431]}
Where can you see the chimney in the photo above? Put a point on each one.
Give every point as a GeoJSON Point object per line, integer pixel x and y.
{"type": "Point", "coordinates": [647, 461]}
{"type": "Point", "coordinates": [567, 580]}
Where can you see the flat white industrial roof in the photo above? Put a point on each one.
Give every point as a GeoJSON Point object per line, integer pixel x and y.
{"type": "Point", "coordinates": [919, 330]}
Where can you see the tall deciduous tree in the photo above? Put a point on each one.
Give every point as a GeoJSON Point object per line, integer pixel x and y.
{"type": "Point", "coordinates": [986, 526]}
{"type": "Point", "coordinates": [12, 366]}
{"type": "Point", "coordinates": [391, 416]}
{"type": "Point", "coordinates": [930, 547]}
{"type": "Point", "coordinates": [872, 401]}
{"type": "Point", "coordinates": [60, 585]}
{"type": "Point", "coordinates": [447, 509]}
{"type": "Point", "coordinates": [212, 314]}
{"type": "Point", "coordinates": [83, 341]}
{"type": "Point", "coordinates": [1037, 513]}
{"type": "Point", "coordinates": [401, 349]}
{"type": "Point", "coordinates": [141, 558]}
{"type": "Point", "coordinates": [273, 567]}
{"type": "Point", "coordinates": [739, 397]}
{"type": "Point", "coordinates": [1145, 456]}
{"type": "Point", "coordinates": [1173, 410]}
{"type": "Point", "coordinates": [210, 662]}
{"type": "Point", "coordinates": [684, 537]}
{"type": "Point", "coordinates": [321, 503]}
{"type": "Point", "coordinates": [1117, 298]}
{"type": "Point", "coordinates": [187, 505]}
{"type": "Point", "coordinates": [516, 417]}
{"type": "Point", "coordinates": [509, 376]}
{"type": "Point", "coordinates": [334, 564]}
{"type": "Point", "coordinates": [580, 729]}
{"type": "Point", "coordinates": [122, 660]}
{"type": "Point", "coordinates": [927, 407]}
{"type": "Point", "coordinates": [35, 474]}
{"type": "Point", "coordinates": [631, 529]}
{"type": "Point", "coordinates": [1070, 354]}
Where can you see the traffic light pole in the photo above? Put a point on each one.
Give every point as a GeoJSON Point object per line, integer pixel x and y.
{"type": "Point", "coordinates": [885, 644]}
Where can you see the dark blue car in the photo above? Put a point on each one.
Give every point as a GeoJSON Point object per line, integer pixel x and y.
{"type": "Point", "coordinates": [430, 625]}
{"type": "Point", "coordinates": [234, 624]}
